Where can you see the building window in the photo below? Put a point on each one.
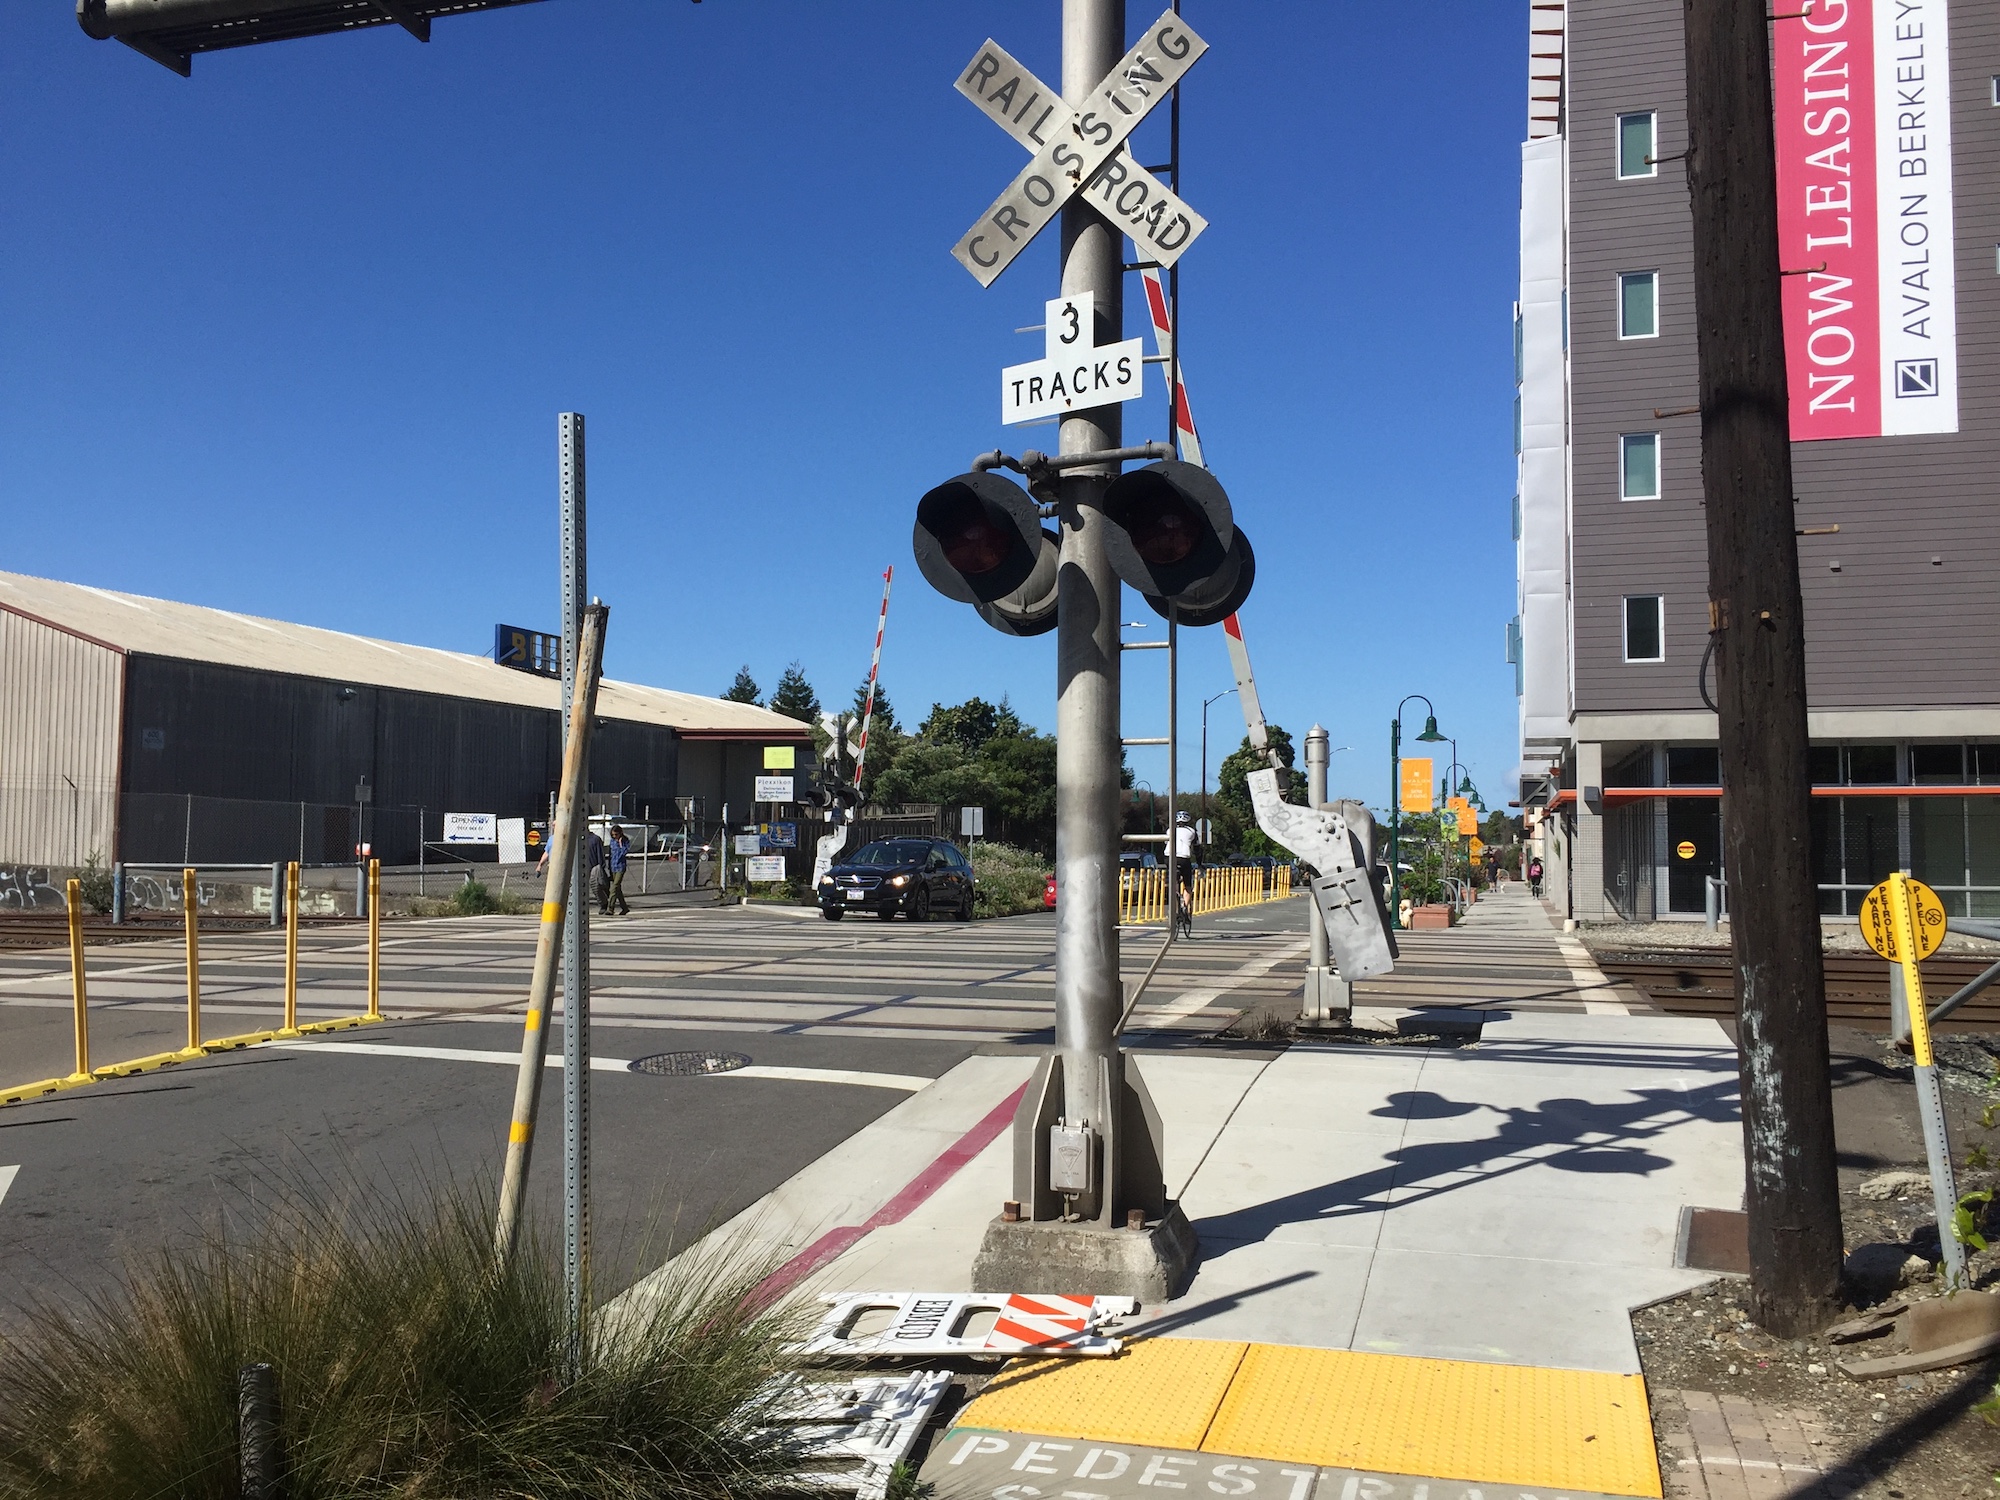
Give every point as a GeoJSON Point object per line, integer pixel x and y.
{"type": "Point", "coordinates": [1645, 633]}
{"type": "Point", "coordinates": [1639, 305]}
{"type": "Point", "coordinates": [1639, 466]}
{"type": "Point", "coordinates": [1637, 137]}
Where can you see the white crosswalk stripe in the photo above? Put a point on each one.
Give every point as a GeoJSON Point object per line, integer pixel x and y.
{"type": "Point", "coordinates": [728, 969]}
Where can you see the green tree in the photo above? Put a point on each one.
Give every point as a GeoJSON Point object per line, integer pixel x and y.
{"type": "Point", "coordinates": [744, 689]}
{"type": "Point", "coordinates": [884, 716]}
{"type": "Point", "coordinates": [794, 698]}
{"type": "Point", "coordinates": [967, 725]}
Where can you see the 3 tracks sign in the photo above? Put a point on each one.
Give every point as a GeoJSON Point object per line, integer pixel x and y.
{"type": "Point", "coordinates": [1081, 149]}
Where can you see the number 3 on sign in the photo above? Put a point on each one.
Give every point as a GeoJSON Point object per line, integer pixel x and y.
{"type": "Point", "coordinates": [1071, 324]}
{"type": "Point", "coordinates": [1878, 924]}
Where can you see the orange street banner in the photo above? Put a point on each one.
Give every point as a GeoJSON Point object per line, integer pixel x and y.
{"type": "Point", "coordinates": [1468, 819]}
{"type": "Point", "coordinates": [1416, 794]}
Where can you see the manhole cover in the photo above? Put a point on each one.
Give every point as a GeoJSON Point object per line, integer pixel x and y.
{"type": "Point", "coordinates": [680, 1064]}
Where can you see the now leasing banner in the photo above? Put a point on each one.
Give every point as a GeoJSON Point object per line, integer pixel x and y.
{"type": "Point", "coordinates": [1862, 90]}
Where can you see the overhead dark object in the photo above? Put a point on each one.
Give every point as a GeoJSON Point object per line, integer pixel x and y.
{"type": "Point", "coordinates": [1171, 527]}
{"type": "Point", "coordinates": [1218, 596]}
{"type": "Point", "coordinates": [172, 31]}
{"type": "Point", "coordinates": [978, 537]}
{"type": "Point", "coordinates": [1430, 733]}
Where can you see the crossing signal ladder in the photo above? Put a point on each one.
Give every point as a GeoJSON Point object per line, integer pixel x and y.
{"type": "Point", "coordinates": [1143, 894]}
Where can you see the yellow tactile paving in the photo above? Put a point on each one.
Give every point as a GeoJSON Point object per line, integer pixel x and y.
{"type": "Point", "coordinates": [1159, 1393]}
{"type": "Point", "coordinates": [1445, 1419]}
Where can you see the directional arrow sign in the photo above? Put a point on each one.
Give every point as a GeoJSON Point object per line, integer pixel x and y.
{"type": "Point", "coordinates": [1123, 191]}
{"type": "Point", "coordinates": [1072, 157]}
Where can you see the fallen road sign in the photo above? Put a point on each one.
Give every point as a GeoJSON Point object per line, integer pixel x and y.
{"type": "Point", "coordinates": [851, 1433]}
{"type": "Point", "coordinates": [946, 1323]}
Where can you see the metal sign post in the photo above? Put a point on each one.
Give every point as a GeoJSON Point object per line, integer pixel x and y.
{"type": "Point", "coordinates": [1087, 1137]}
{"type": "Point", "coordinates": [576, 931]}
{"type": "Point", "coordinates": [1904, 921]}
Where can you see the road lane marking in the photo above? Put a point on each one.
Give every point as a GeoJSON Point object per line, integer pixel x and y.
{"type": "Point", "coordinates": [6, 1180]}
{"type": "Point", "coordinates": [908, 1083]}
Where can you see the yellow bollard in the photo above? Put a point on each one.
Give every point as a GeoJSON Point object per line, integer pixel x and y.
{"type": "Point", "coordinates": [291, 1027]}
{"type": "Point", "coordinates": [188, 917]}
{"type": "Point", "coordinates": [82, 1073]}
{"type": "Point", "coordinates": [374, 939]}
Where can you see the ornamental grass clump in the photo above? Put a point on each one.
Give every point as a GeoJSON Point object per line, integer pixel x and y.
{"type": "Point", "coordinates": [406, 1368]}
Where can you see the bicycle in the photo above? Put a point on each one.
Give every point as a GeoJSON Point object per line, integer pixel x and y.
{"type": "Point", "coordinates": [1183, 911]}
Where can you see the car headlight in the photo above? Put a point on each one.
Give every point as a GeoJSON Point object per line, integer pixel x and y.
{"type": "Point", "coordinates": [826, 880]}
{"type": "Point", "coordinates": [899, 880]}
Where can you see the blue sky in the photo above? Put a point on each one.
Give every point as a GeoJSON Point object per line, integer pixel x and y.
{"type": "Point", "coordinates": [290, 337]}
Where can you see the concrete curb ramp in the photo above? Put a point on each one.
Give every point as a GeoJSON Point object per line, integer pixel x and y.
{"type": "Point", "coordinates": [1229, 1418]}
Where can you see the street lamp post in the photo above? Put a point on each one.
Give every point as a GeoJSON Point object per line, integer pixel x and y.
{"type": "Point", "coordinates": [1207, 832]}
{"type": "Point", "coordinates": [1150, 820]}
{"type": "Point", "coordinates": [1429, 736]}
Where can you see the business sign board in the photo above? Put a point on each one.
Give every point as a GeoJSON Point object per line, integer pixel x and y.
{"type": "Point", "coordinates": [1415, 793]}
{"type": "Point", "coordinates": [749, 843]}
{"type": "Point", "coordinates": [777, 836]}
{"type": "Point", "coordinates": [525, 650]}
{"type": "Point", "coordinates": [780, 757]}
{"type": "Point", "coordinates": [471, 828]}
{"type": "Point", "coordinates": [774, 788]}
{"type": "Point", "coordinates": [764, 867]}
{"type": "Point", "coordinates": [513, 835]}
{"type": "Point", "coordinates": [1862, 91]}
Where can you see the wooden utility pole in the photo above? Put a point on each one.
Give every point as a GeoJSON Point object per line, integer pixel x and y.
{"type": "Point", "coordinates": [1758, 630]}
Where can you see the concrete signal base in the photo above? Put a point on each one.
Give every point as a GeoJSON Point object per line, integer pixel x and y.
{"type": "Point", "coordinates": [1087, 1259]}
{"type": "Point", "coordinates": [1081, 1243]}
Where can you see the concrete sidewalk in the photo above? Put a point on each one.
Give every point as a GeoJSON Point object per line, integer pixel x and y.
{"type": "Point", "coordinates": [1505, 1202]}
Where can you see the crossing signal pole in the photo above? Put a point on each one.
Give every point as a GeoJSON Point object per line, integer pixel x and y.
{"type": "Point", "coordinates": [1757, 632]}
{"type": "Point", "coordinates": [1090, 1211]}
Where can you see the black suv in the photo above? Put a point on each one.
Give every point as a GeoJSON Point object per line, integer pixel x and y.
{"type": "Point", "coordinates": [913, 876]}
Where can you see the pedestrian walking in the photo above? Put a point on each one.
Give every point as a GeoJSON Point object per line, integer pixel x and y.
{"type": "Point", "coordinates": [615, 858]}
{"type": "Point", "coordinates": [1535, 875]}
{"type": "Point", "coordinates": [592, 855]}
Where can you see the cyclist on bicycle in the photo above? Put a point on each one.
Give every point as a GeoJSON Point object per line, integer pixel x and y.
{"type": "Point", "coordinates": [1184, 857]}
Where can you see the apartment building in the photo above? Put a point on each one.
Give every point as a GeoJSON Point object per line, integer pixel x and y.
{"type": "Point", "coordinates": [1887, 117]}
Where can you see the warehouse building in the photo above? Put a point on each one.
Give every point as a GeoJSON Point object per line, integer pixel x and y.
{"type": "Point", "coordinates": [1888, 133]}
{"type": "Point", "coordinates": [143, 730]}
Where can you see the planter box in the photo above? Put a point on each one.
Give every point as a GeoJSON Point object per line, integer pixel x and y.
{"type": "Point", "coordinates": [1427, 917]}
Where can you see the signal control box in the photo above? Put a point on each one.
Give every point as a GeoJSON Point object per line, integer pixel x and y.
{"type": "Point", "coordinates": [1072, 1158]}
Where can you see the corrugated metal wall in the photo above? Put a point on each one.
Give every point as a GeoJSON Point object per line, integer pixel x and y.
{"type": "Point", "coordinates": [60, 697]}
{"type": "Point", "coordinates": [210, 732]}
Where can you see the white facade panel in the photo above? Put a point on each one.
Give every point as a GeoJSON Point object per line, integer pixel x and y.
{"type": "Point", "coordinates": [61, 697]}
{"type": "Point", "coordinates": [1543, 471]}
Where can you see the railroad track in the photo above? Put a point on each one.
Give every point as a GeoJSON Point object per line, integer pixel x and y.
{"type": "Point", "coordinates": [35, 931]}
{"type": "Point", "coordinates": [1857, 986]}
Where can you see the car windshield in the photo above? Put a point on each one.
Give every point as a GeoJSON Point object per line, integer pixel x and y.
{"type": "Point", "coordinates": [892, 853]}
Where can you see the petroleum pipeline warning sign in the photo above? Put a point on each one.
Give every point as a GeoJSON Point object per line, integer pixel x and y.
{"type": "Point", "coordinates": [1878, 926]}
{"type": "Point", "coordinates": [1862, 94]}
{"type": "Point", "coordinates": [1685, 849]}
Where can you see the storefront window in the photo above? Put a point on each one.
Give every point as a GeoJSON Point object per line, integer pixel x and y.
{"type": "Point", "coordinates": [1937, 765]}
{"type": "Point", "coordinates": [1871, 765]}
{"type": "Point", "coordinates": [1823, 763]}
{"type": "Point", "coordinates": [1937, 847]}
{"type": "Point", "coordinates": [1693, 765]}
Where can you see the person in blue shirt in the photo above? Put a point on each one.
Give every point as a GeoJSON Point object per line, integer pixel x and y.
{"type": "Point", "coordinates": [615, 904]}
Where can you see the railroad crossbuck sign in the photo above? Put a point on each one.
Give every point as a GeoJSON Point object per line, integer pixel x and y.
{"type": "Point", "coordinates": [1080, 149]}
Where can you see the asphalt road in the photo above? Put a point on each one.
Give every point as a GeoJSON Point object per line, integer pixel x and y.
{"type": "Point", "coordinates": [849, 1018]}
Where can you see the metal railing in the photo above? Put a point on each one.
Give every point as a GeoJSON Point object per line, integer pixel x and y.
{"type": "Point", "coordinates": [198, 1047]}
{"type": "Point", "coordinates": [1142, 894]}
